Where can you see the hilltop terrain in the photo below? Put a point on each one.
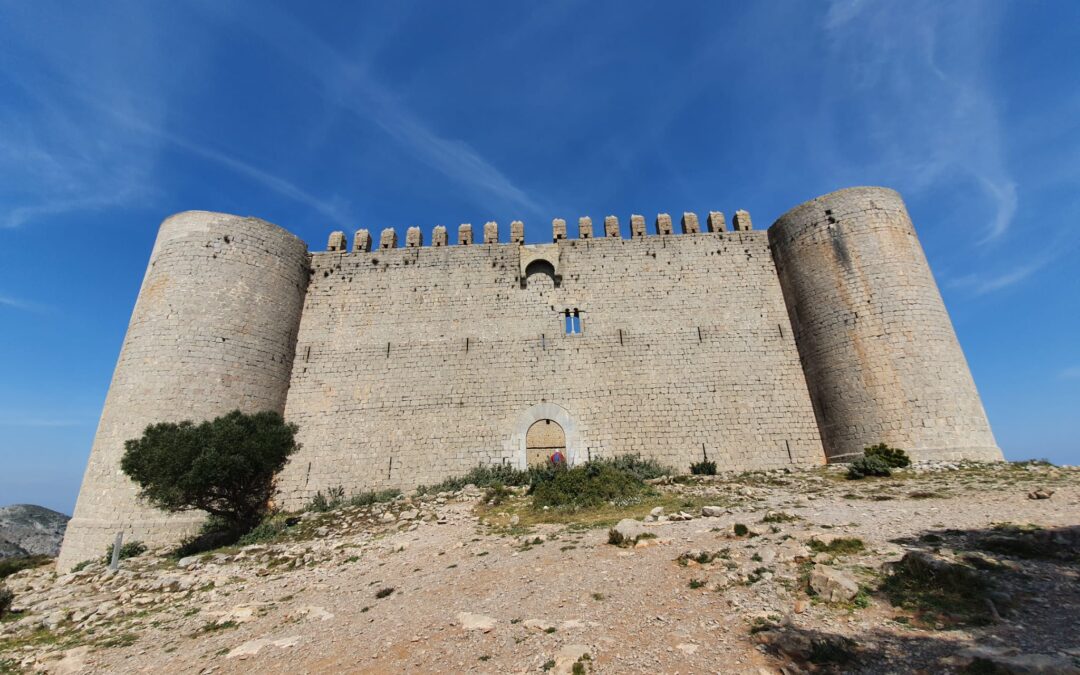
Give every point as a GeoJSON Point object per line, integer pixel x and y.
{"type": "Point", "coordinates": [26, 529]}
{"type": "Point", "coordinates": [941, 568]}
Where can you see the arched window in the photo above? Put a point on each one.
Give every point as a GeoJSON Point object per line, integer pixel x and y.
{"type": "Point", "coordinates": [573, 322]}
{"type": "Point", "coordinates": [539, 266]}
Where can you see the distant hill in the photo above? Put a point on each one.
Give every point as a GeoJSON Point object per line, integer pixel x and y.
{"type": "Point", "coordinates": [26, 529]}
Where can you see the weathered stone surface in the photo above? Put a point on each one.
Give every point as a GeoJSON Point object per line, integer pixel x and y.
{"type": "Point", "coordinates": [864, 381]}
{"type": "Point", "coordinates": [409, 365]}
{"type": "Point", "coordinates": [337, 242]}
{"type": "Point", "coordinates": [630, 529]}
{"type": "Point", "coordinates": [470, 621]}
{"type": "Point", "coordinates": [832, 585]}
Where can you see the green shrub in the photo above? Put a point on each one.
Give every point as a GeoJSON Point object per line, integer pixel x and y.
{"type": "Point", "coordinates": [268, 530]}
{"type": "Point", "coordinates": [894, 457]}
{"type": "Point", "coordinates": [704, 468]}
{"type": "Point", "coordinates": [941, 593]}
{"type": "Point", "coordinates": [482, 476]}
{"type": "Point", "coordinates": [6, 599]}
{"type": "Point", "coordinates": [589, 485]}
{"type": "Point", "coordinates": [635, 465]}
{"type": "Point", "coordinates": [616, 538]}
{"type": "Point", "coordinates": [741, 530]}
{"type": "Point", "coordinates": [225, 467]}
{"type": "Point", "coordinates": [838, 546]}
{"type": "Point", "coordinates": [128, 550]}
{"type": "Point", "coordinates": [215, 532]}
{"type": "Point", "coordinates": [868, 466]}
{"type": "Point", "coordinates": [9, 566]}
{"type": "Point", "coordinates": [497, 494]}
{"type": "Point", "coordinates": [321, 503]}
{"type": "Point", "coordinates": [374, 497]}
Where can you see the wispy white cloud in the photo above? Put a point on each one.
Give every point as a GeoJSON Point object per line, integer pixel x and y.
{"type": "Point", "coordinates": [981, 283]}
{"type": "Point", "coordinates": [9, 302]}
{"type": "Point", "coordinates": [86, 128]}
{"type": "Point", "coordinates": [15, 420]}
{"type": "Point", "coordinates": [347, 83]}
{"type": "Point", "coordinates": [934, 118]}
{"type": "Point", "coordinates": [1070, 373]}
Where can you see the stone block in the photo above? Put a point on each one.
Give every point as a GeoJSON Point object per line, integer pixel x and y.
{"type": "Point", "coordinates": [438, 236]}
{"type": "Point", "coordinates": [716, 222]}
{"type": "Point", "coordinates": [611, 227]}
{"type": "Point", "coordinates": [741, 221]}
{"type": "Point", "coordinates": [337, 242]}
{"type": "Point", "coordinates": [361, 241]}
{"type": "Point", "coordinates": [584, 225]}
{"type": "Point", "coordinates": [690, 223]}
{"type": "Point", "coordinates": [663, 224]}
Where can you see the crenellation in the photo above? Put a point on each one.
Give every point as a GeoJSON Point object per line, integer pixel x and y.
{"type": "Point", "coordinates": [361, 241]}
{"type": "Point", "coordinates": [830, 335]}
{"type": "Point", "coordinates": [741, 221]}
{"type": "Point", "coordinates": [337, 242]}
{"type": "Point", "coordinates": [585, 229]}
{"type": "Point", "coordinates": [611, 227]}
{"type": "Point", "coordinates": [716, 222]}
{"type": "Point", "coordinates": [438, 236]}
{"type": "Point", "coordinates": [690, 223]}
{"type": "Point", "coordinates": [663, 224]}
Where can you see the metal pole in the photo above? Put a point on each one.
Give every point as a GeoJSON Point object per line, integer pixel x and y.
{"type": "Point", "coordinates": [115, 564]}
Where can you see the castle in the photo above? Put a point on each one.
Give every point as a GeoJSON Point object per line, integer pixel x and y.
{"type": "Point", "coordinates": [402, 366]}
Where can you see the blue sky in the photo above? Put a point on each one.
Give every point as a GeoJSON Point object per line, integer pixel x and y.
{"type": "Point", "coordinates": [115, 115]}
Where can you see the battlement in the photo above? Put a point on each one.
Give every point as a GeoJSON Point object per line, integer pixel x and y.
{"type": "Point", "coordinates": [404, 362]}
{"type": "Point", "coordinates": [714, 224]}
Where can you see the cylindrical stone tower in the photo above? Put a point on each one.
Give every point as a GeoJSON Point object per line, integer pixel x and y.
{"type": "Point", "coordinates": [214, 329]}
{"type": "Point", "coordinates": [881, 359]}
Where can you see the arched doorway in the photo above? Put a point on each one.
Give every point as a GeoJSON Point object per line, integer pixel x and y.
{"type": "Point", "coordinates": [542, 440]}
{"type": "Point", "coordinates": [515, 444]}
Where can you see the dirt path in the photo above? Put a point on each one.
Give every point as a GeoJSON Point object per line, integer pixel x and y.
{"type": "Point", "coordinates": [541, 600]}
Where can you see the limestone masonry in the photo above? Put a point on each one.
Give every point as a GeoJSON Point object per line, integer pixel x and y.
{"type": "Point", "coordinates": [404, 365]}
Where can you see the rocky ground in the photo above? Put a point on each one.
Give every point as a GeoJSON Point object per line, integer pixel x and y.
{"type": "Point", "coordinates": [944, 568]}
{"type": "Point", "coordinates": [26, 529]}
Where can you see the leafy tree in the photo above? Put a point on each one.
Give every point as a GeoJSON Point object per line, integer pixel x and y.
{"type": "Point", "coordinates": [225, 467]}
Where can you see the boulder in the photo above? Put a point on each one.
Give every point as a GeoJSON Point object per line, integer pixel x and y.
{"type": "Point", "coordinates": [832, 585]}
{"type": "Point", "coordinates": [712, 511]}
{"type": "Point", "coordinates": [469, 621]}
{"type": "Point", "coordinates": [1011, 662]}
{"type": "Point", "coordinates": [566, 657]}
{"type": "Point", "coordinates": [630, 529]}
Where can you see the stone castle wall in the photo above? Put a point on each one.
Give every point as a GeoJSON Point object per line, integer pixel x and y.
{"type": "Point", "coordinates": [415, 364]}
{"type": "Point", "coordinates": [406, 365]}
{"type": "Point", "coordinates": [213, 330]}
{"type": "Point", "coordinates": [880, 354]}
